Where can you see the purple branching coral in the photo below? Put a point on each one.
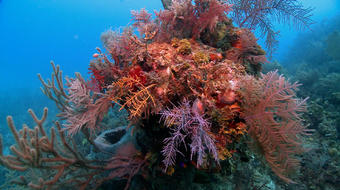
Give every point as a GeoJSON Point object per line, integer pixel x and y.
{"type": "Point", "coordinates": [184, 121]}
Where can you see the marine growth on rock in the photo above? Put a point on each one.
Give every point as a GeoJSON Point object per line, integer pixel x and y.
{"type": "Point", "coordinates": [192, 86]}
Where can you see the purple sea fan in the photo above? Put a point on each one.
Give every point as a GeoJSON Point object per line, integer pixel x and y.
{"type": "Point", "coordinates": [183, 122]}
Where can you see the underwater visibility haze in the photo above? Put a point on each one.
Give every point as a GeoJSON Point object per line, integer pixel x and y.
{"type": "Point", "coordinates": [170, 94]}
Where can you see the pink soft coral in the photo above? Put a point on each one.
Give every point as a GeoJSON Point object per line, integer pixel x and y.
{"type": "Point", "coordinates": [185, 19]}
{"type": "Point", "coordinates": [273, 115]}
{"type": "Point", "coordinates": [83, 110]}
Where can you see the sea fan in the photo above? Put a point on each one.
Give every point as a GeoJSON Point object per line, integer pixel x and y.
{"type": "Point", "coordinates": [143, 22]}
{"type": "Point", "coordinates": [259, 14]}
{"type": "Point", "coordinates": [275, 121]}
{"type": "Point", "coordinates": [209, 13]}
{"type": "Point", "coordinates": [84, 111]}
{"type": "Point", "coordinates": [120, 45]}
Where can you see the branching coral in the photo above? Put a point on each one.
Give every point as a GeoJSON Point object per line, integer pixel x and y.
{"type": "Point", "coordinates": [259, 14]}
{"type": "Point", "coordinates": [119, 45]}
{"type": "Point", "coordinates": [58, 161]}
{"type": "Point", "coordinates": [80, 108]}
{"type": "Point", "coordinates": [135, 102]}
{"type": "Point", "coordinates": [185, 121]}
{"type": "Point", "coordinates": [124, 167]}
{"type": "Point", "coordinates": [54, 88]}
{"type": "Point", "coordinates": [275, 121]}
{"type": "Point", "coordinates": [53, 154]}
{"type": "Point", "coordinates": [246, 48]}
{"type": "Point", "coordinates": [185, 19]}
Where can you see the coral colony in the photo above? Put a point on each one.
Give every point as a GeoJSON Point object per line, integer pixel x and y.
{"type": "Point", "coordinates": [190, 82]}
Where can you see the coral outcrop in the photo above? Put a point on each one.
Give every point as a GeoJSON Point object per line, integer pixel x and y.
{"type": "Point", "coordinates": [190, 98]}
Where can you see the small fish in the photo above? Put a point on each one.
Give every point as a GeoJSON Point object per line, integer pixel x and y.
{"type": "Point", "coordinates": [95, 55]}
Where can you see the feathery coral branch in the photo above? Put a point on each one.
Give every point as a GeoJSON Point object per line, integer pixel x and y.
{"type": "Point", "coordinates": [275, 122]}
{"type": "Point", "coordinates": [183, 122]}
{"type": "Point", "coordinates": [259, 14]}
{"type": "Point", "coordinates": [136, 102]}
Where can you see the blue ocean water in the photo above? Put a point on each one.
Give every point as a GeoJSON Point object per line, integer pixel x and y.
{"type": "Point", "coordinates": [35, 32]}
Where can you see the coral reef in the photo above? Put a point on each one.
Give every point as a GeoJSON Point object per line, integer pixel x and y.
{"type": "Point", "coordinates": [58, 162]}
{"type": "Point", "coordinates": [318, 69]}
{"type": "Point", "coordinates": [192, 102]}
